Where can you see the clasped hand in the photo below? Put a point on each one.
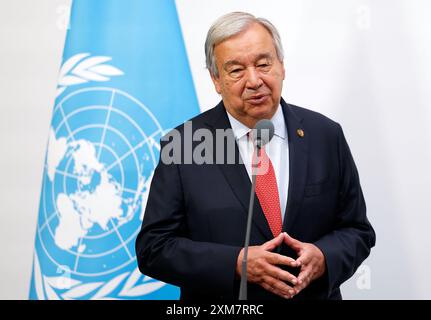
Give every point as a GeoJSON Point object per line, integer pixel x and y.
{"type": "Point", "coordinates": [263, 269]}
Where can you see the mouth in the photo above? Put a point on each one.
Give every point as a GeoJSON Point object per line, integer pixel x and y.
{"type": "Point", "coordinates": [258, 99]}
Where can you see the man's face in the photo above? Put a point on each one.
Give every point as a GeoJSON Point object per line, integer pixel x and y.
{"type": "Point", "coordinates": [250, 75]}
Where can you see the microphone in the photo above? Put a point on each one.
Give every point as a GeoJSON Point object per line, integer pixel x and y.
{"type": "Point", "coordinates": [261, 134]}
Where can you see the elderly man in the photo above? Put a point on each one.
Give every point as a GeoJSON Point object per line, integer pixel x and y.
{"type": "Point", "coordinates": [310, 231]}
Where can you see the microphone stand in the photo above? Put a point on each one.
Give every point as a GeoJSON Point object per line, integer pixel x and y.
{"type": "Point", "coordinates": [254, 165]}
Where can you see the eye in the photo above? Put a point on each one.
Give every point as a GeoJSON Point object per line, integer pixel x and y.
{"type": "Point", "coordinates": [263, 65]}
{"type": "Point", "coordinates": [237, 70]}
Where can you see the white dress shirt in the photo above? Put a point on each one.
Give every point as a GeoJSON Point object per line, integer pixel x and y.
{"type": "Point", "coordinates": [277, 150]}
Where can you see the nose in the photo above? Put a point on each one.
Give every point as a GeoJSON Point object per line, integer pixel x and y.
{"type": "Point", "coordinates": [253, 80]}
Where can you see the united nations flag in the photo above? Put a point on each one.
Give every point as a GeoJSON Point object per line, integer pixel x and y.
{"type": "Point", "coordinates": [124, 81]}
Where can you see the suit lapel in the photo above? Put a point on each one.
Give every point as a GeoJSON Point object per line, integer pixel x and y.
{"type": "Point", "coordinates": [236, 174]}
{"type": "Point", "coordinates": [298, 159]}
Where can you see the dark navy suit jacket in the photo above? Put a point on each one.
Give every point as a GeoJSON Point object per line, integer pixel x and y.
{"type": "Point", "coordinates": [195, 218]}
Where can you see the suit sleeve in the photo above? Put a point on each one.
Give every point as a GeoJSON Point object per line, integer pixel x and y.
{"type": "Point", "coordinates": [349, 244]}
{"type": "Point", "coordinates": [164, 248]}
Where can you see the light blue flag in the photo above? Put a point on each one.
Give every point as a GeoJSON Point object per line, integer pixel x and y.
{"type": "Point", "coordinates": [124, 81]}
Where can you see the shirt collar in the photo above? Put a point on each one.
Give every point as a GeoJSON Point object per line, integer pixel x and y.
{"type": "Point", "coordinates": [240, 129]}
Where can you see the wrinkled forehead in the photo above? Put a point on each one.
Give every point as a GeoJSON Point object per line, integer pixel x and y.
{"type": "Point", "coordinates": [253, 43]}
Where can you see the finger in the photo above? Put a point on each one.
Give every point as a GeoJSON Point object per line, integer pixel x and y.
{"type": "Point", "coordinates": [303, 279]}
{"type": "Point", "coordinates": [278, 287]}
{"type": "Point", "coordinates": [299, 287]}
{"type": "Point", "coordinates": [274, 291]}
{"type": "Point", "coordinates": [309, 253]}
{"type": "Point", "coordinates": [274, 243]}
{"type": "Point", "coordinates": [284, 289]}
{"type": "Point", "coordinates": [303, 260]}
{"type": "Point", "coordinates": [279, 259]}
{"type": "Point", "coordinates": [292, 242]}
{"type": "Point", "coordinates": [281, 274]}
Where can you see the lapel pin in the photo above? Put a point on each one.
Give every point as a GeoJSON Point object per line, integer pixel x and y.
{"type": "Point", "coordinates": [300, 133]}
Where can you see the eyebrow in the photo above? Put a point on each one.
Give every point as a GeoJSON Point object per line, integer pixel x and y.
{"type": "Point", "coordinates": [236, 62]}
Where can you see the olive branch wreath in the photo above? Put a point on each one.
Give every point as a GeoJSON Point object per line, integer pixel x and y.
{"type": "Point", "coordinates": [67, 288]}
{"type": "Point", "coordinates": [82, 68]}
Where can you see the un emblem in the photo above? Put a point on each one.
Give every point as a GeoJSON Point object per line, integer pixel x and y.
{"type": "Point", "coordinates": [102, 152]}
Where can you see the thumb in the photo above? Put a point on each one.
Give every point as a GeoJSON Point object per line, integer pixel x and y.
{"type": "Point", "coordinates": [292, 242]}
{"type": "Point", "coordinates": [272, 244]}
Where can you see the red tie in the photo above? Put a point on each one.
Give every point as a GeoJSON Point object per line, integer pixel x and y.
{"type": "Point", "coordinates": [267, 192]}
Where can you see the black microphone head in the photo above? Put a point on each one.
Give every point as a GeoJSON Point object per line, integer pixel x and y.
{"type": "Point", "coordinates": [263, 132]}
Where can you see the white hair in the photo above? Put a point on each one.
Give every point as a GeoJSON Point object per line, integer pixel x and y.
{"type": "Point", "coordinates": [230, 25]}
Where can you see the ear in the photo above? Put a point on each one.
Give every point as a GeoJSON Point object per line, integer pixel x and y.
{"type": "Point", "coordinates": [217, 82]}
